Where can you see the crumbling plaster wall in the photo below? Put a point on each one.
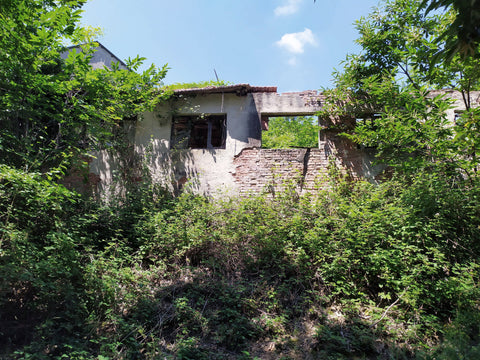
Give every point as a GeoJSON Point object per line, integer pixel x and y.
{"type": "Point", "coordinates": [205, 170]}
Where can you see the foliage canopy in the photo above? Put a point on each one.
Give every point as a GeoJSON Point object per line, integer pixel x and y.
{"type": "Point", "coordinates": [462, 36]}
{"type": "Point", "coordinates": [393, 76]}
{"type": "Point", "coordinates": [53, 110]}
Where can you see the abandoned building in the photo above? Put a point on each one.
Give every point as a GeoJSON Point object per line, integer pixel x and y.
{"type": "Point", "coordinates": [210, 140]}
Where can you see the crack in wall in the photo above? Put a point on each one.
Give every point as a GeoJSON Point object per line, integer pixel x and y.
{"type": "Point", "coordinates": [306, 159]}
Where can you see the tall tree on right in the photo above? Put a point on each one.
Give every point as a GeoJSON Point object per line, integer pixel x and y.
{"type": "Point", "coordinates": [394, 77]}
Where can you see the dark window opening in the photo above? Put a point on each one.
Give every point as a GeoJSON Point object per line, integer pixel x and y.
{"type": "Point", "coordinates": [199, 132]}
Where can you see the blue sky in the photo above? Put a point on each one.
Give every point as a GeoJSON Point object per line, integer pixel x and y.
{"type": "Point", "coordinates": [292, 44]}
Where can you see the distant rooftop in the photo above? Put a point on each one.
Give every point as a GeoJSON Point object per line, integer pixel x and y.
{"type": "Point", "coordinates": [101, 58]}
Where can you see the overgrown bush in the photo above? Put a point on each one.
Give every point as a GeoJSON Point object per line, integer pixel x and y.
{"type": "Point", "coordinates": [365, 270]}
{"type": "Point", "coordinates": [40, 262]}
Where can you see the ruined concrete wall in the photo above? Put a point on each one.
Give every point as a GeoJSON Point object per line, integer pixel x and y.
{"type": "Point", "coordinates": [250, 170]}
{"type": "Point", "coordinates": [290, 104]}
{"type": "Point", "coordinates": [242, 166]}
{"type": "Point", "coordinates": [258, 170]}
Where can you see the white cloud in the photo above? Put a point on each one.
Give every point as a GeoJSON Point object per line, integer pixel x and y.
{"type": "Point", "coordinates": [292, 61]}
{"type": "Point", "coordinates": [295, 43]}
{"type": "Point", "coordinates": [289, 8]}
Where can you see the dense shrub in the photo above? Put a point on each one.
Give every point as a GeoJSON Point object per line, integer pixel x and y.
{"type": "Point", "coordinates": [360, 269]}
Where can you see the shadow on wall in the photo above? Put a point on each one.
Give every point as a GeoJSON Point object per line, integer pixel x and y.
{"type": "Point", "coordinates": [251, 131]}
{"type": "Point", "coordinates": [113, 172]}
{"type": "Point", "coordinates": [255, 169]}
{"type": "Point", "coordinates": [355, 161]}
{"type": "Point", "coordinates": [175, 169]}
{"type": "Point", "coordinates": [82, 179]}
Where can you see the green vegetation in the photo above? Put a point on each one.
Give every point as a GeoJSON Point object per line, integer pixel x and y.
{"type": "Point", "coordinates": [194, 85]}
{"type": "Point", "coordinates": [357, 270]}
{"type": "Point", "coordinates": [53, 111]}
{"type": "Point", "coordinates": [393, 77]}
{"type": "Point", "coordinates": [462, 36]}
{"type": "Point", "coordinates": [289, 132]}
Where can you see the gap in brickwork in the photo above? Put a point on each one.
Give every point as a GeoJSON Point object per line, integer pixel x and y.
{"type": "Point", "coordinates": [286, 132]}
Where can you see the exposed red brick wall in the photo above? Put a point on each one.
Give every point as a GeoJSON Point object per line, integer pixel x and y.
{"type": "Point", "coordinates": [81, 180]}
{"type": "Point", "coordinates": [83, 183]}
{"type": "Point", "coordinates": [258, 170]}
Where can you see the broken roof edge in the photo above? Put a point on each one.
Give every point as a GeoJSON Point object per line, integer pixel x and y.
{"type": "Point", "coordinates": [239, 89]}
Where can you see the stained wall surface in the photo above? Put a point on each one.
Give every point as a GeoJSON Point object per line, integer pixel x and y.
{"type": "Point", "coordinates": [241, 166]}
{"type": "Point", "coordinates": [203, 170]}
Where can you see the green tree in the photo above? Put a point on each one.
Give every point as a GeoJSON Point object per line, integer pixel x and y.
{"type": "Point", "coordinates": [394, 78]}
{"type": "Point", "coordinates": [463, 35]}
{"type": "Point", "coordinates": [290, 132]}
{"type": "Point", "coordinates": [52, 110]}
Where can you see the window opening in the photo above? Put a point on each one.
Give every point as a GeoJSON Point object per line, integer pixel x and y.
{"type": "Point", "coordinates": [199, 132]}
{"type": "Point", "coordinates": [457, 117]}
{"type": "Point", "coordinates": [281, 132]}
{"type": "Point", "coordinates": [368, 120]}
